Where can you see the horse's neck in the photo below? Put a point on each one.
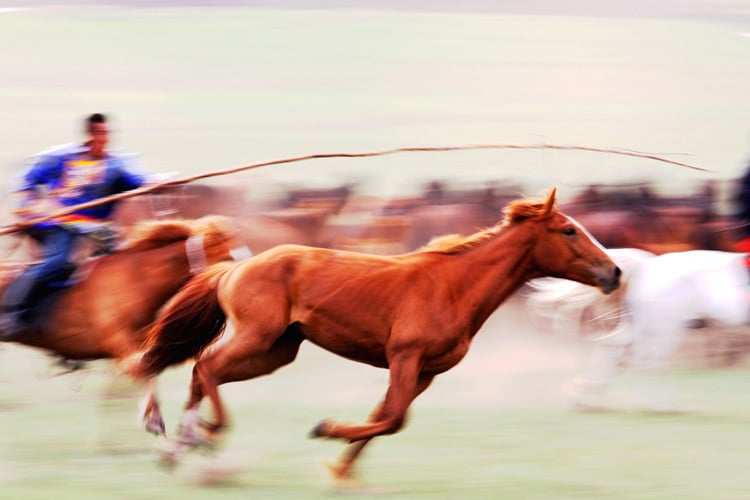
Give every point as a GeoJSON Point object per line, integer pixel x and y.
{"type": "Point", "coordinates": [490, 272]}
{"type": "Point", "coordinates": [169, 261]}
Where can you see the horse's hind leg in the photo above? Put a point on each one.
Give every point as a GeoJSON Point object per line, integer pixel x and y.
{"type": "Point", "coordinates": [228, 363]}
{"type": "Point", "coordinates": [189, 435]}
{"type": "Point", "coordinates": [342, 469]}
{"type": "Point", "coordinates": [149, 414]}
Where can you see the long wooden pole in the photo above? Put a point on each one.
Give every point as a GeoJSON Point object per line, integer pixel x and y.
{"type": "Point", "coordinates": [177, 182]}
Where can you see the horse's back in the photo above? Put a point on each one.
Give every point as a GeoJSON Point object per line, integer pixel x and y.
{"type": "Point", "coordinates": [293, 265]}
{"type": "Point", "coordinates": [628, 259]}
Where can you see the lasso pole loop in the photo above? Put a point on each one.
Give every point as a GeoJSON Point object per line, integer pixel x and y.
{"type": "Point", "coordinates": [177, 182]}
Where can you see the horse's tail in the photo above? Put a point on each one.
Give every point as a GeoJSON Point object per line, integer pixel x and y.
{"type": "Point", "coordinates": [192, 320]}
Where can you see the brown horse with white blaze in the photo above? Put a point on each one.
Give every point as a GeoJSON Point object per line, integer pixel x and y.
{"type": "Point", "coordinates": [414, 314]}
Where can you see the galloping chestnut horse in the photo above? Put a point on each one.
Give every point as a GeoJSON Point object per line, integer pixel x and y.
{"type": "Point", "coordinates": [104, 315]}
{"type": "Point", "coordinates": [414, 314]}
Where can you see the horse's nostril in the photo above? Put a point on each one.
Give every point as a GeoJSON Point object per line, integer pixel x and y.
{"type": "Point", "coordinates": [618, 272]}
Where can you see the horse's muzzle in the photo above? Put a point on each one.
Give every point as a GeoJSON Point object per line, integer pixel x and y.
{"type": "Point", "coordinates": [610, 283]}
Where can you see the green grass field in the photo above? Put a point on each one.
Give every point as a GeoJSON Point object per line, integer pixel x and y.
{"type": "Point", "coordinates": [498, 425]}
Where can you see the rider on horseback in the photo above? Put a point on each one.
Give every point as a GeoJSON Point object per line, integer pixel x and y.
{"type": "Point", "coordinates": [65, 176]}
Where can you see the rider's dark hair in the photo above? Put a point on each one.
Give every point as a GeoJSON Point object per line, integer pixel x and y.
{"type": "Point", "coordinates": [95, 118]}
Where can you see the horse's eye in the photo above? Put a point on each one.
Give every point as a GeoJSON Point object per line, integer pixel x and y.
{"type": "Point", "coordinates": [569, 231]}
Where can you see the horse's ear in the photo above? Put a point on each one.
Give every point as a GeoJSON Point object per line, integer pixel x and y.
{"type": "Point", "coordinates": [549, 203]}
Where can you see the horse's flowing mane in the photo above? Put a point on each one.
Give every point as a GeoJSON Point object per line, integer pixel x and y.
{"type": "Point", "coordinates": [153, 234]}
{"type": "Point", "coordinates": [520, 210]}
{"type": "Point", "coordinates": [515, 211]}
{"type": "Point", "coordinates": [455, 243]}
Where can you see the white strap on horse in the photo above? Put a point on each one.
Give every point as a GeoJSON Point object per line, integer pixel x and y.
{"type": "Point", "coordinates": [241, 253]}
{"type": "Point", "coordinates": [196, 254]}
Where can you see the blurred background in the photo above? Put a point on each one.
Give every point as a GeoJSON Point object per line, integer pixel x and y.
{"type": "Point", "coordinates": [192, 88]}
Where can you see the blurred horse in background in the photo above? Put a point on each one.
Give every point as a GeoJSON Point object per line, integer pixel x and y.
{"type": "Point", "coordinates": [619, 216]}
{"type": "Point", "coordinates": [414, 314]}
{"type": "Point", "coordinates": [455, 211]}
{"type": "Point", "coordinates": [187, 201]}
{"type": "Point", "coordinates": [401, 225]}
{"type": "Point", "coordinates": [297, 215]}
{"type": "Point", "coordinates": [102, 315]}
{"type": "Point", "coordinates": [566, 306]}
{"type": "Point", "coordinates": [635, 216]}
{"type": "Point", "coordinates": [660, 298]}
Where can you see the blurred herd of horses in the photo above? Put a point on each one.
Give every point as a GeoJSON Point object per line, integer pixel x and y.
{"type": "Point", "coordinates": [618, 216]}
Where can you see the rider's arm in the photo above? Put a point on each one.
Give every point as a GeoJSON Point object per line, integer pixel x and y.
{"type": "Point", "coordinates": [128, 175]}
{"type": "Point", "coordinates": [131, 176]}
{"type": "Point", "coordinates": [30, 199]}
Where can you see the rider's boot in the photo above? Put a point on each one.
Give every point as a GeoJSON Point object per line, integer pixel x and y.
{"type": "Point", "coordinates": [14, 309]}
{"type": "Point", "coordinates": [12, 324]}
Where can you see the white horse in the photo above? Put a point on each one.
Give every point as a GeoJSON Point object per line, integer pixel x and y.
{"type": "Point", "coordinates": [566, 305]}
{"type": "Point", "coordinates": [660, 296]}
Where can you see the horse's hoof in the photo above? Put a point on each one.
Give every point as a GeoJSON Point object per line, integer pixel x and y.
{"type": "Point", "coordinates": [156, 427]}
{"type": "Point", "coordinates": [167, 460]}
{"type": "Point", "coordinates": [339, 472]}
{"type": "Point", "coordinates": [211, 428]}
{"type": "Point", "coordinates": [320, 430]}
{"type": "Point", "coordinates": [345, 482]}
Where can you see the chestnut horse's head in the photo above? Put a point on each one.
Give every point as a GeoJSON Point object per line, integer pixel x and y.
{"type": "Point", "coordinates": [564, 249]}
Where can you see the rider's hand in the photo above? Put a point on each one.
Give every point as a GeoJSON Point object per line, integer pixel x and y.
{"type": "Point", "coordinates": [159, 178]}
{"type": "Point", "coordinates": [42, 207]}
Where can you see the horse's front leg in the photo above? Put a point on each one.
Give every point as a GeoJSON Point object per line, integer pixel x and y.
{"type": "Point", "coordinates": [208, 386]}
{"type": "Point", "coordinates": [653, 350]}
{"type": "Point", "coordinates": [149, 414]}
{"type": "Point", "coordinates": [402, 390]}
{"type": "Point", "coordinates": [342, 468]}
{"type": "Point", "coordinates": [587, 391]}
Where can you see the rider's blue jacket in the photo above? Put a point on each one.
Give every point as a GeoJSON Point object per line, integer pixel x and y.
{"type": "Point", "coordinates": [69, 176]}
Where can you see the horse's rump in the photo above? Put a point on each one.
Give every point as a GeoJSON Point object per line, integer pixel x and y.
{"type": "Point", "coordinates": [191, 321]}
